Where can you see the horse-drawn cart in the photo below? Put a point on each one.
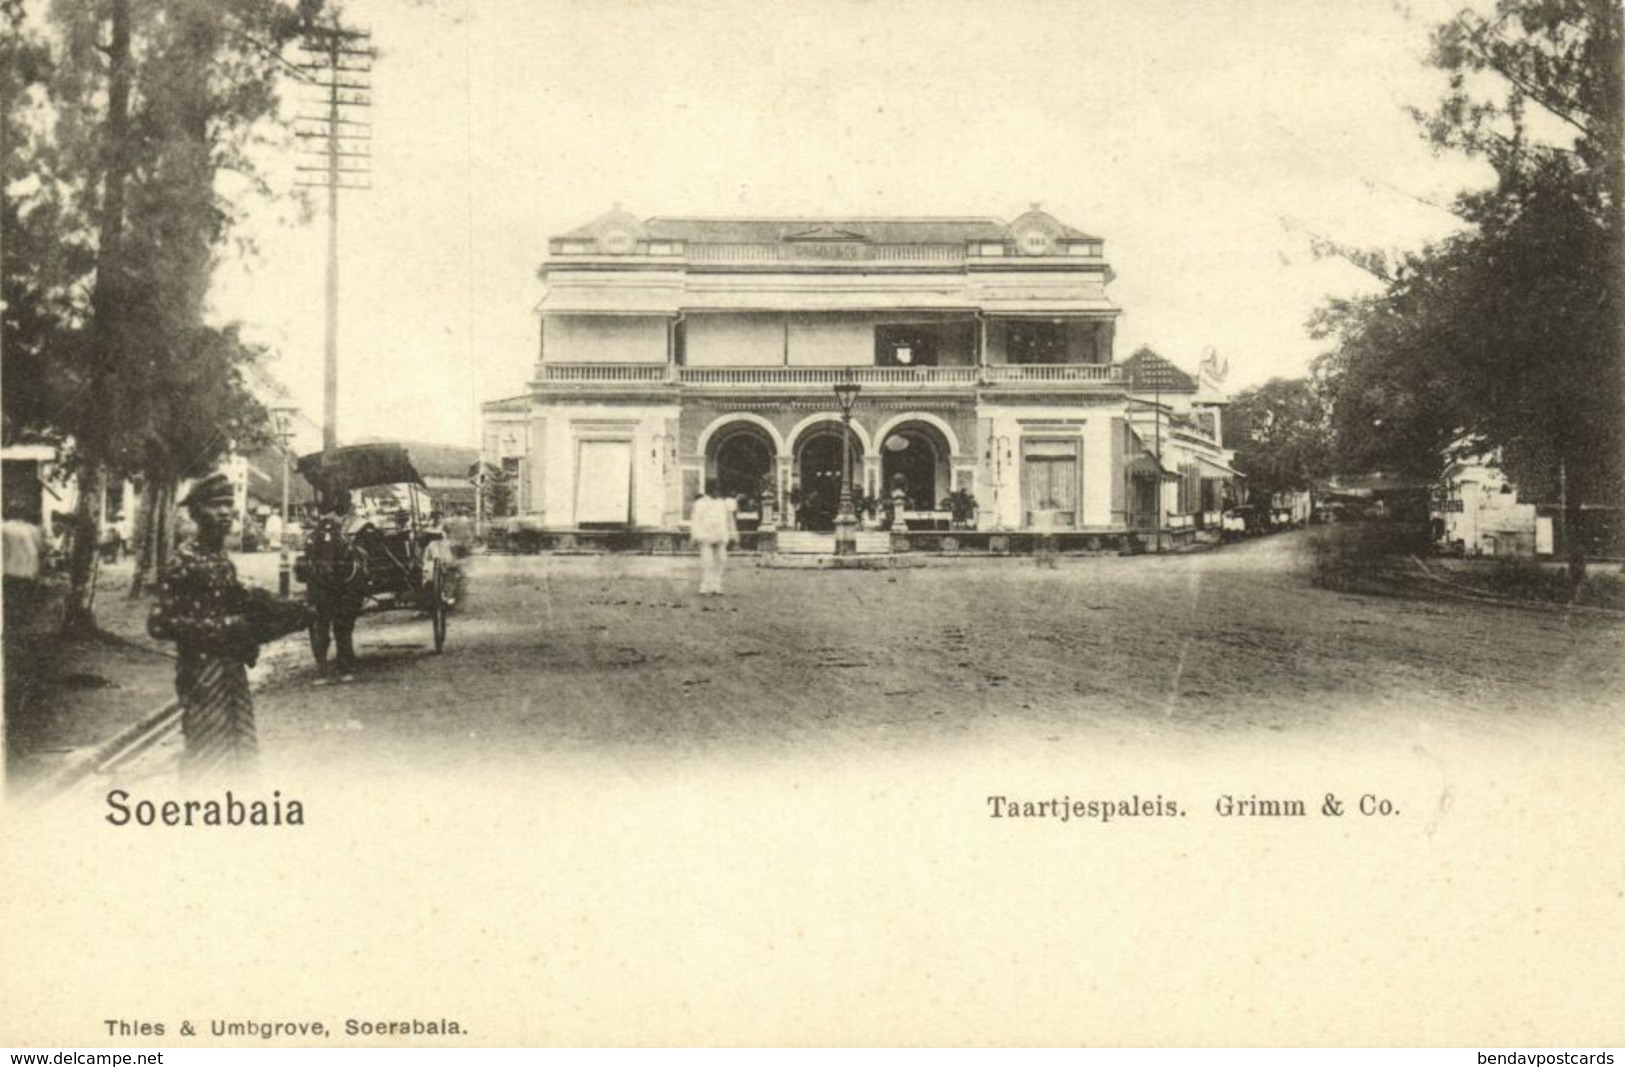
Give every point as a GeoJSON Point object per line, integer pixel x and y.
{"type": "Point", "coordinates": [376, 546]}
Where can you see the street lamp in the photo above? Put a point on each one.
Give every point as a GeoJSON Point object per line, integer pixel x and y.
{"type": "Point", "coordinates": [284, 432]}
{"type": "Point", "coordinates": [846, 520]}
{"type": "Point", "coordinates": [998, 458]}
{"type": "Point", "coordinates": [665, 447]}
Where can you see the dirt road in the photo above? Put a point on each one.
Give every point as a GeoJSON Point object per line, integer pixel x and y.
{"type": "Point", "coordinates": [554, 654]}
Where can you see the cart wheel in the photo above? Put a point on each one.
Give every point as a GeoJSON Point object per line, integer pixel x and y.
{"type": "Point", "coordinates": [437, 609]}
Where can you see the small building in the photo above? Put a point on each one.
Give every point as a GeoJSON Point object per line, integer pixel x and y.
{"type": "Point", "coordinates": [34, 491]}
{"type": "Point", "coordinates": [1476, 510]}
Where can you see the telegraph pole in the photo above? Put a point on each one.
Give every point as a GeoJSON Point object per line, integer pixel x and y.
{"type": "Point", "coordinates": [338, 63]}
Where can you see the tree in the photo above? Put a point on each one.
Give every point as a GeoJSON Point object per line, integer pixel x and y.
{"type": "Point", "coordinates": [1279, 431]}
{"type": "Point", "coordinates": [1506, 337]}
{"type": "Point", "coordinates": [139, 108]}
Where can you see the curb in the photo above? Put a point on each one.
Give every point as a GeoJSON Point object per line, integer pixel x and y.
{"type": "Point", "coordinates": [122, 747]}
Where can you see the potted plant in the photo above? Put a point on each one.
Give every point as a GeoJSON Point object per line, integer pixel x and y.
{"type": "Point", "coordinates": [961, 507]}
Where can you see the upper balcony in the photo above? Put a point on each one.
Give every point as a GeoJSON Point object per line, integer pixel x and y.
{"type": "Point", "coordinates": [599, 378]}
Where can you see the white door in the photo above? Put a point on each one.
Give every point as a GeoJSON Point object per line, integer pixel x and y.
{"type": "Point", "coordinates": [604, 482]}
{"type": "Point", "coordinates": [1544, 541]}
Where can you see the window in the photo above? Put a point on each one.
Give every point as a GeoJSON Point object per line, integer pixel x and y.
{"type": "Point", "coordinates": [925, 344]}
{"type": "Point", "coordinates": [1036, 341]}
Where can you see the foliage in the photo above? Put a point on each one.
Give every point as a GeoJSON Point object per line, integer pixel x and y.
{"type": "Point", "coordinates": [121, 120]}
{"type": "Point", "coordinates": [1280, 432]}
{"type": "Point", "coordinates": [497, 490]}
{"type": "Point", "coordinates": [1524, 579]}
{"type": "Point", "coordinates": [1507, 336]}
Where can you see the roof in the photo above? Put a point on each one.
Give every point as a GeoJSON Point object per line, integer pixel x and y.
{"type": "Point", "coordinates": [876, 230]}
{"type": "Point", "coordinates": [1375, 482]}
{"type": "Point", "coordinates": [1148, 371]}
{"type": "Point", "coordinates": [890, 230]}
{"type": "Point", "coordinates": [265, 469]}
{"type": "Point", "coordinates": [508, 403]}
{"type": "Point", "coordinates": [614, 219]}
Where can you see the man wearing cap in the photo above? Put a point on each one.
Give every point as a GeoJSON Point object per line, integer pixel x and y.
{"type": "Point", "coordinates": [217, 626]}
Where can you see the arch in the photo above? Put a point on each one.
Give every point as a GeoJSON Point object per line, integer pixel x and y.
{"type": "Point", "coordinates": [923, 473]}
{"type": "Point", "coordinates": [721, 422]}
{"type": "Point", "coordinates": [741, 458]}
{"type": "Point", "coordinates": [816, 472]}
{"type": "Point", "coordinates": [941, 426]}
{"type": "Point", "coordinates": [811, 421]}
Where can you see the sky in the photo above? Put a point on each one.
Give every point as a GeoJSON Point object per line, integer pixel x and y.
{"type": "Point", "coordinates": [1207, 142]}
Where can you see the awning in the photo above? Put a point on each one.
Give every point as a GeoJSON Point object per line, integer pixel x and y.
{"type": "Point", "coordinates": [1214, 469]}
{"type": "Point", "coordinates": [1144, 465]}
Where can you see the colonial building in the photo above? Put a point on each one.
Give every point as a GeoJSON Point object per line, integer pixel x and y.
{"type": "Point", "coordinates": [676, 350]}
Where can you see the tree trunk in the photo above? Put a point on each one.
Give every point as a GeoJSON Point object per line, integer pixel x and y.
{"type": "Point", "coordinates": [106, 307]}
{"type": "Point", "coordinates": [79, 615]}
{"type": "Point", "coordinates": [141, 549]}
{"type": "Point", "coordinates": [163, 541]}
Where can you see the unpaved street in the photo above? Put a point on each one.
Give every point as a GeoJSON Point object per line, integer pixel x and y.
{"type": "Point", "coordinates": [554, 654]}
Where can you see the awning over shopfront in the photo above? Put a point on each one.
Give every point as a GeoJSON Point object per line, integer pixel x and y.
{"type": "Point", "coordinates": [1212, 468]}
{"type": "Point", "coordinates": [1144, 465]}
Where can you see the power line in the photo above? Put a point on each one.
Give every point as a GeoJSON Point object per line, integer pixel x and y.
{"type": "Point", "coordinates": [338, 65]}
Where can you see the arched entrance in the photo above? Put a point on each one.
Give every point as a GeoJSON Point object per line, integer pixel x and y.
{"type": "Point", "coordinates": [915, 457]}
{"type": "Point", "coordinates": [818, 476]}
{"type": "Point", "coordinates": [740, 457]}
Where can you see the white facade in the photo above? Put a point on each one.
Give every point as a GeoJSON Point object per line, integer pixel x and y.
{"type": "Point", "coordinates": [678, 351]}
{"type": "Point", "coordinates": [1479, 511]}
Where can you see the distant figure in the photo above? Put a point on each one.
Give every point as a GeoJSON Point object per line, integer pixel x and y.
{"type": "Point", "coordinates": [713, 528]}
{"type": "Point", "coordinates": [273, 532]}
{"type": "Point", "coordinates": [111, 545]}
{"type": "Point", "coordinates": [336, 598]}
{"type": "Point", "coordinates": [217, 626]}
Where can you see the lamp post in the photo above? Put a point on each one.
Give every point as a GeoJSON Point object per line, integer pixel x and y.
{"type": "Point", "coordinates": [846, 520]}
{"type": "Point", "coordinates": [998, 456]}
{"type": "Point", "coordinates": [665, 449]}
{"type": "Point", "coordinates": [284, 432]}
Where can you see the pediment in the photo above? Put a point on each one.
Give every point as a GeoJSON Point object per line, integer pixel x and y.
{"type": "Point", "coordinates": [825, 233]}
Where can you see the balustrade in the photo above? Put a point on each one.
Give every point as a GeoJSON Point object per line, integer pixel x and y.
{"type": "Point", "coordinates": [1055, 372]}
{"type": "Point", "coordinates": [656, 373]}
{"type": "Point", "coordinates": [603, 372]}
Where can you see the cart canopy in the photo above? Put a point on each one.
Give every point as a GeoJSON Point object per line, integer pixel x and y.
{"type": "Point", "coordinates": [358, 466]}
